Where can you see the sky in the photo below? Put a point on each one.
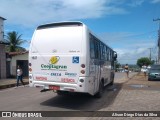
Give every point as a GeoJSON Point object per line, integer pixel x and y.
{"type": "Point", "coordinates": [127, 26]}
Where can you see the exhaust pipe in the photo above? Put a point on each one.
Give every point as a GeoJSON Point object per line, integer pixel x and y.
{"type": "Point", "coordinates": [44, 90]}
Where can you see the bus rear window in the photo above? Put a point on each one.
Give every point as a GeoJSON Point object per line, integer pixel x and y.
{"type": "Point", "coordinates": [58, 40]}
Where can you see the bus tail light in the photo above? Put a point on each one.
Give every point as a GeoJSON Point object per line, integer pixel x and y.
{"type": "Point", "coordinates": [30, 64]}
{"type": "Point", "coordinates": [30, 69]}
{"type": "Point", "coordinates": [83, 65]}
{"type": "Point", "coordinates": [83, 71]}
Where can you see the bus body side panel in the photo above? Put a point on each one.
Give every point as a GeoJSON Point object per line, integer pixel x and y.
{"type": "Point", "coordinates": [100, 62]}
{"type": "Point", "coordinates": [95, 73]}
{"type": "Point", "coordinates": [94, 68]}
{"type": "Point", "coordinates": [106, 72]}
{"type": "Point", "coordinates": [90, 78]}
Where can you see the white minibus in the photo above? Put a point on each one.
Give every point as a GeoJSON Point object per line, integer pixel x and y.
{"type": "Point", "coordinates": [68, 57]}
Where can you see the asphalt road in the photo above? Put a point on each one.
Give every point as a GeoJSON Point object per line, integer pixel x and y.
{"type": "Point", "coordinates": [31, 99]}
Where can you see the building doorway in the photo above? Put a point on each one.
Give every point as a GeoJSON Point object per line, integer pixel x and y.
{"type": "Point", "coordinates": [24, 66]}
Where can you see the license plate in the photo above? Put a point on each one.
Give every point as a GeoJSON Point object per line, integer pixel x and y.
{"type": "Point", "coordinates": [52, 87]}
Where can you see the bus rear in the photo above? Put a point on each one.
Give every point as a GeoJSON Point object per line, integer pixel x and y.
{"type": "Point", "coordinates": [57, 57]}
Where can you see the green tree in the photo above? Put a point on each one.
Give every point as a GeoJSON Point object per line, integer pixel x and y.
{"type": "Point", "coordinates": [118, 65]}
{"type": "Point", "coordinates": [152, 62]}
{"type": "Point", "coordinates": [143, 60]}
{"type": "Point", "coordinates": [15, 42]}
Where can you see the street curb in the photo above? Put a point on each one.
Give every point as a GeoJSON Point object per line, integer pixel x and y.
{"type": "Point", "coordinates": [11, 85]}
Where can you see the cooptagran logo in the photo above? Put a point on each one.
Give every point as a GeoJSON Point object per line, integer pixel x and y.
{"type": "Point", "coordinates": [54, 59]}
{"type": "Point", "coordinates": [52, 64]}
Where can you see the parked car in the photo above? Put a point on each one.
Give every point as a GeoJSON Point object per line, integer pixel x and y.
{"type": "Point", "coordinates": [154, 72]}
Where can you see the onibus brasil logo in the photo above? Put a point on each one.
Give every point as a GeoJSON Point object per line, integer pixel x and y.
{"type": "Point", "coordinates": [52, 65]}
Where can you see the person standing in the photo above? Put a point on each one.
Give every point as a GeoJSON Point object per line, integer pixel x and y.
{"type": "Point", "coordinates": [144, 67]}
{"type": "Point", "coordinates": [19, 76]}
{"type": "Point", "coordinates": [126, 69]}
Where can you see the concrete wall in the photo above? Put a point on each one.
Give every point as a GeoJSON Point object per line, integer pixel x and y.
{"type": "Point", "coordinates": [14, 62]}
{"type": "Point", "coordinates": [2, 61]}
{"type": "Point", "coordinates": [2, 52]}
{"type": "Point", "coordinates": [1, 29]}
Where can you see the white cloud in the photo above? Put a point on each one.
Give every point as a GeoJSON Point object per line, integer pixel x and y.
{"type": "Point", "coordinates": [155, 1]}
{"type": "Point", "coordinates": [130, 46]}
{"type": "Point", "coordinates": [31, 12]}
{"type": "Point", "coordinates": [135, 3]}
{"type": "Point", "coordinates": [135, 51]}
{"type": "Point", "coordinates": [130, 56]}
{"type": "Point", "coordinates": [115, 36]}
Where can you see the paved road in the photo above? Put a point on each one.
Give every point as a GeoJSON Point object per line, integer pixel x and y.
{"type": "Point", "coordinates": [26, 98]}
{"type": "Point", "coordinates": [30, 99]}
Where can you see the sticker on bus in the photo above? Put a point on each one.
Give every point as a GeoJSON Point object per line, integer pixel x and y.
{"type": "Point", "coordinates": [75, 59]}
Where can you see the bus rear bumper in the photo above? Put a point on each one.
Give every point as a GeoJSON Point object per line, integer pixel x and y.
{"type": "Point", "coordinates": [57, 86]}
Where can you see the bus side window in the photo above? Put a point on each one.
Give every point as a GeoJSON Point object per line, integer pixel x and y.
{"type": "Point", "coordinates": [102, 51]}
{"type": "Point", "coordinates": [105, 53]}
{"type": "Point", "coordinates": [112, 56]}
{"type": "Point", "coordinates": [92, 47]}
{"type": "Point", "coordinates": [97, 49]}
{"type": "Point", "coordinates": [109, 57]}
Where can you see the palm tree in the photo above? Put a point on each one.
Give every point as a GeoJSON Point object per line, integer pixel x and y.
{"type": "Point", "coordinates": [15, 41]}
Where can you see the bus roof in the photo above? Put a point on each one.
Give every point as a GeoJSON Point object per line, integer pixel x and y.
{"type": "Point", "coordinates": [67, 23]}
{"type": "Point", "coordinates": [58, 24]}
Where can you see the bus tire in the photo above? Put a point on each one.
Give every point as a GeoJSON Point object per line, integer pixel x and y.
{"type": "Point", "coordinates": [111, 83]}
{"type": "Point", "coordinates": [60, 92]}
{"type": "Point", "coordinates": [112, 79]}
{"type": "Point", "coordinates": [100, 91]}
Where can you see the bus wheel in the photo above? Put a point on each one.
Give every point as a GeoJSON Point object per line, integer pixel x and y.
{"type": "Point", "coordinates": [100, 91]}
{"type": "Point", "coordinates": [60, 92]}
{"type": "Point", "coordinates": [111, 83]}
{"type": "Point", "coordinates": [112, 80]}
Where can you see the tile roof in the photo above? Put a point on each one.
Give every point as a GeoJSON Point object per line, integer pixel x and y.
{"type": "Point", "coordinates": [17, 53]}
{"type": "Point", "coordinates": [5, 43]}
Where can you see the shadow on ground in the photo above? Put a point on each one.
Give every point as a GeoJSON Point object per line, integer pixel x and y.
{"type": "Point", "coordinates": [85, 102]}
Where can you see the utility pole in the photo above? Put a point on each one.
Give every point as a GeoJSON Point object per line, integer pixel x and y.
{"type": "Point", "coordinates": [156, 61]}
{"type": "Point", "coordinates": [158, 19]}
{"type": "Point", "coordinates": [150, 53]}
